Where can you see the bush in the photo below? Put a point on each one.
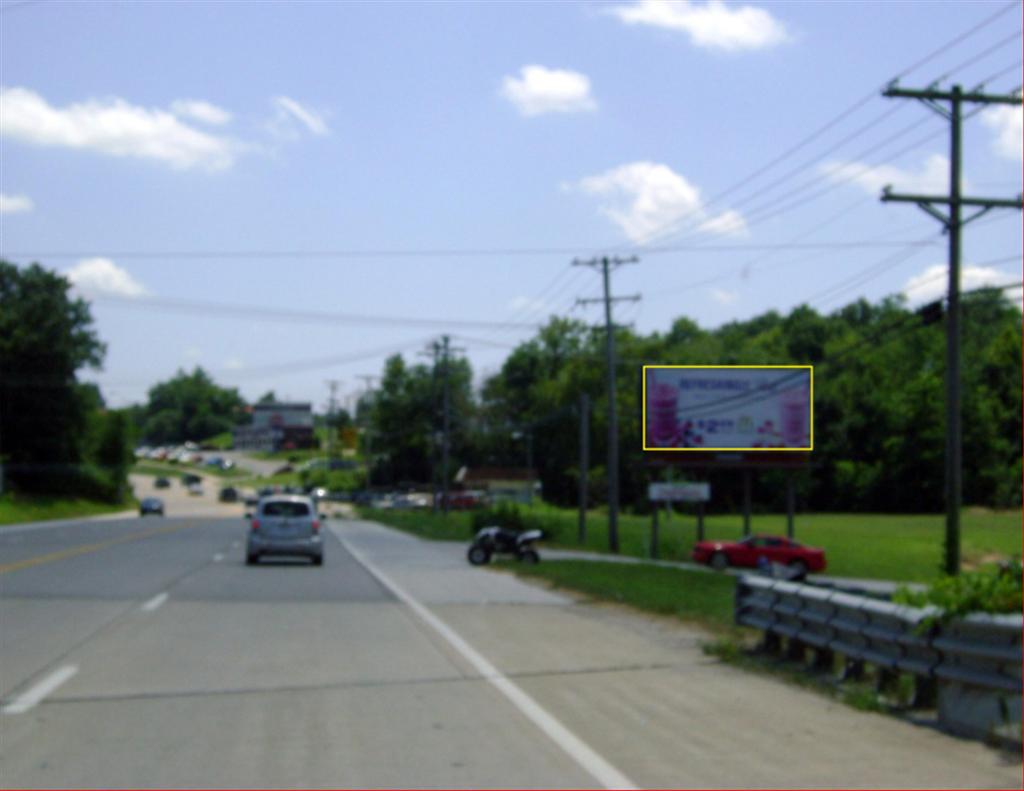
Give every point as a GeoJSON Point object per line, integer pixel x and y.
{"type": "Point", "coordinates": [81, 481]}
{"type": "Point", "coordinates": [989, 590]}
{"type": "Point", "coordinates": [506, 515]}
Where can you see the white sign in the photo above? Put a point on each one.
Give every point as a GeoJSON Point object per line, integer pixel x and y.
{"type": "Point", "coordinates": [737, 407]}
{"type": "Point", "coordinates": [679, 492]}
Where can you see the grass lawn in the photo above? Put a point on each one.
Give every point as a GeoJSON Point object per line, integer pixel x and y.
{"type": "Point", "coordinates": [906, 547]}
{"type": "Point", "coordinates": [15, 509]}
{"type": "Point", "coordinates": [157, 468]}
{"type": "Point", "coordinates": [705, 599]}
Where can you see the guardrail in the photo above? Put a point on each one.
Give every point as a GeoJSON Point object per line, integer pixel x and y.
{"type": "Point", "coordinates": [970, 668]}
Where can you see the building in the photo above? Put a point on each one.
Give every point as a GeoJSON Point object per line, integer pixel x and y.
{"type": "Point", "coordinates": [502, 484]}
{"type": "Point", "coordinates": [277, 427]}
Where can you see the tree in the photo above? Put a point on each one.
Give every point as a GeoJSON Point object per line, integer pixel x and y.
{"type": "Point", "coordinates": [46, 336]}
{"type": "Point", "coordinates": [190, 407]}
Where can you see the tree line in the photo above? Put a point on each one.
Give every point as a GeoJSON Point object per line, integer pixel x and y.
{"type": "Point", "coordinates": [879, 415]}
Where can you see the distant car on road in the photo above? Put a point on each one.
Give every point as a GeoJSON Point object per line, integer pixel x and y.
{"type": "Point", "coordinates": [190, 478]}
{"type": "Point", "coordinates": [161, 483]}
{"type": "Point", "coordinates": [195, 489]}
{"type": "Point", "coordinates": [753, 551]}
{"type": "Point", "coordinates": [285, 525]}
{"type": "Point", "coordinates": [151, 505]}
{"type": "Point", "coordinates": [229, 494]}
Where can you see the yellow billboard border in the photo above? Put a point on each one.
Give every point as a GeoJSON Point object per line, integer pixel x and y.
{"type": "Point", "coordinates": [809, 368]}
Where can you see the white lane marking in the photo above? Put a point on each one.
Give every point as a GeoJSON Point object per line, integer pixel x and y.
{"type": "Point", "coordinates": [602, 771]}
{"type": "Point", "coordinates": [30, 697]}
{"type": "Point", "coordinates": [218, 558]}
{"type": "Point", "coordinates": [155, 602]}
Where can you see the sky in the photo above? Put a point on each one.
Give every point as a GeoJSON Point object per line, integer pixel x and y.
{"type": "Point", "coordinates": [287, 193]}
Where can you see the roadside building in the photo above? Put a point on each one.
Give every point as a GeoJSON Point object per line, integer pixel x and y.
{"type": "Point", "coordinates": [276, 427]}
{"type": "Point", "coordinates": [502, 484]}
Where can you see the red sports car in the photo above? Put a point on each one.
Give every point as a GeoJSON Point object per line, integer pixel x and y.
{"type": "Point", "coordinates": [749, 551]}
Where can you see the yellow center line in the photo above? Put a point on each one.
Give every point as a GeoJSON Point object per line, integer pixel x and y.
{"type": "Point", "coordinates": [85, 549]}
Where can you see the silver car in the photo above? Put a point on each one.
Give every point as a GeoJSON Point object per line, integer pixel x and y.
{"type": "Point", "coordinates": [285, 524]}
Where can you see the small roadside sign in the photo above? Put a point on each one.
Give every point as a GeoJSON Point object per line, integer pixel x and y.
{"type": "Point", "coordinates": [679, 492]}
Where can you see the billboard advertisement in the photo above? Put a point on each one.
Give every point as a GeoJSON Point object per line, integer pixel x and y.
{"type": "Point", "coordinates": [728, 408]}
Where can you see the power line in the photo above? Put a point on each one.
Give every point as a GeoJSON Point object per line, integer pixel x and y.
{"type": "Point", "coordinates": [224, 310]}
{"type": "Point", "coordinates": [672, 226]}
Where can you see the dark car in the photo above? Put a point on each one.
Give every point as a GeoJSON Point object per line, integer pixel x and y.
{"type": "Point", "coordinates": [229, 494]}
{"type": "Point", "coordinates": [151, 505]}
{"type": "Point", "coordinates": [189, 478]}
{"type": "Point", "coordinates": [161, 483]}
{"type": "Point", "coordinates": [755, 551]}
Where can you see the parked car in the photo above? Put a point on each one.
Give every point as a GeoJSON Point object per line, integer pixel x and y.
{"type": "Point", "coordinates": [189, 479]}
{"type": "Point", "coordinates": [229, 494]}
{"type": "Point", "coordinates": [754, 551]}
{"type": "Point", "coordinates": [195, 489]}
{"type": "Point", "coordinates": [285, 525]}
{"type": "Point", "coordinates": [251, 499]}
{"type": "Point", "coordinates": [161, 483]}
{"type": "Point", "coordinates": [151, 505]}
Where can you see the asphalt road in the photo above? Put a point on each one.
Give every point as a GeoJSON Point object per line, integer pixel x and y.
{"type": "Point", "coordinates": [144, 653]}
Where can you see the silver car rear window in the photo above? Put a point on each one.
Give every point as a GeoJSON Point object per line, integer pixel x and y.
{"type": "Point", "coordinates": [285, 509]}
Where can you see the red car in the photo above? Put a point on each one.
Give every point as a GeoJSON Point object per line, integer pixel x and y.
{"type": "Point", "coordinates": [749, 551]}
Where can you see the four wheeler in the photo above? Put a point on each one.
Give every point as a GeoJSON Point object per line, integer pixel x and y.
{"type": "Point", "coordinates": [498, 540]}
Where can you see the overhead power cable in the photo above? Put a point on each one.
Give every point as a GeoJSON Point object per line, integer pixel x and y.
{"type": "Point", "coordinates": [672, 226]}
{"type": "Point", "coordinates": [223, 310]}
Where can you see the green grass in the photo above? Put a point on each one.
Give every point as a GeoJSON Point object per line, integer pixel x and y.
{"type": "Point", "coordinates": [223, 441]}
{"type": "Point", "coordinates": [294, 456]}
{"type": "Point", "coordinates": [904, 547]}
{"type": "Point", "coordinates": [693, 596]}
{"type": "Point", "coordinates": [157, 468]}
{"type": "Point", "coordinates": [15, 509]}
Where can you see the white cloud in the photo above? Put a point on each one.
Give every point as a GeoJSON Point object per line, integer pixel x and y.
{"type": "Point", "coordinates": [102, 277]}
{"type": "Point", "coordinates": [290, 112]}
{"type": "Point", "coordinates": [539, 90]}
{"type": "Point", "coordinates": [1008, 123]}
{"type": "Point", "coordinates": [12, 204]}
{"type": "Point", "coordinates": [645, 198]}
{"type": "Point", "coordinates": [931, 179]}
{"type": "Point", "coordinates": [529, 304]}
{"type": "Point", "coordinates": [112, 127]}
{"type": "Point", "coordinates": [931, 284]}
{"type": "Point", "coordinates": [199, 110]}
{"type": "Point", "coordinates": [713, 25]}
{"type": "Point", "coordinates": [723, 297]}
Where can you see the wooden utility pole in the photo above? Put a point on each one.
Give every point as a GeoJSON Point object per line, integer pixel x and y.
{"type": "Point", "coordinates": [606, 265]}
{"type": "Point", "coordinates": [953, 223]}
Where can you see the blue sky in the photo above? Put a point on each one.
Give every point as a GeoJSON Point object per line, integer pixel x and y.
{"type": "Point", "coordinates": [445, 162]}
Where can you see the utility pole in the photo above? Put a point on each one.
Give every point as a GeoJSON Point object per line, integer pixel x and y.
{"type": "Point", "coordinates": [332, 409]}
{"type": "Point", "coordinates": [953, 223]}
{"type": "Point", "coordinates": [367, 430]}
{"type": "Point", "coordinates": [446, 351]}
{"type": "Point", "coordinates": [606, 264]}
{"type": "Point", "coordinates": [433, 351]}
{"type": "Point", "coordinates": [584, 465]}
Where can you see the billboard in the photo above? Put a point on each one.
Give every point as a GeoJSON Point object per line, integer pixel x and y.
{"type": "Point", "coordinates": [728, 408]}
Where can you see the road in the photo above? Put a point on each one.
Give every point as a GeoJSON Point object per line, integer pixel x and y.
{"type": "Point", "coordinates": [144, 653]}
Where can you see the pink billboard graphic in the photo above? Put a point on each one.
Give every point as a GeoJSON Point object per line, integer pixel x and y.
{"type": "Point", "coordinates": [728, 407]}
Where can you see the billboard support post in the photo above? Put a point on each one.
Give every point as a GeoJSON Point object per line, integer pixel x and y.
{"type": "Point", "coordinates": [790, 504]}
{"type": "Point", "coordinates": [746, 502]}
{"type": "Point", "coordinates": [700, 521]}
{"type": "Point", "coordinates": [654, 532]}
